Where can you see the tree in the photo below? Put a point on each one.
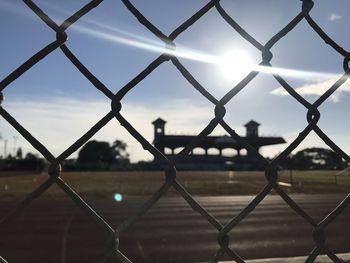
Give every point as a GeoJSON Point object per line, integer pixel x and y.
{"type": "Point", "coordinates": [97, 155]}
{"type": "Point", "coordinates": [31, 162]}
{"type": "Point", "coordinates": [19, 153]}
{"type": "Point", "coordinates": [31, 156]}
{"type": "Point", "coordinates": [317, 158]}
{"type": "Point", "coordinates": [119, 150]}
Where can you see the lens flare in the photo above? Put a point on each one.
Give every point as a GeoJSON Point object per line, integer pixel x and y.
{"type": "Point", "coordinates": [118, 197]}
{"type": "Point", "coordinates": [235, 64]}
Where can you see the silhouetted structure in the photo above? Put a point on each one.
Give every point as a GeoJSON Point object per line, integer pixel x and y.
{"type": "Point", "coordinates": [171, 144]}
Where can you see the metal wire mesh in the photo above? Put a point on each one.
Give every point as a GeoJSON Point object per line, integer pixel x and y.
{"type": "Point", "coordinates": [313, 116]}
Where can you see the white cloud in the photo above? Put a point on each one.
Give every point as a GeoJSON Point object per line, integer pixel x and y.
{"type": "Point", "coordinates": [316, 89]}
{"type": "Point", "coordinates": [334, 17]}
{"type": "Point", "coordinates": [59, 123]}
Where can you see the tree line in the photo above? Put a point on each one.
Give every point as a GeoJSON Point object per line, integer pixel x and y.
{"type": "Point", "coordinates": [314, 159]}
{"type": "Point", "coordinates": [93, 156]}
{"type": "Point", "coordinates": [97, 156]}
{"type": "Point", "coordinates": [104, 156]}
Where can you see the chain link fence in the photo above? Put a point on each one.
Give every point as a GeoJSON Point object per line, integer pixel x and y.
{"type": "Point", "coordinates": [313, 116]}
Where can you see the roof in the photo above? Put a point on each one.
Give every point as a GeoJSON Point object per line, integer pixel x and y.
{"type": "Point", "coordinates": [159, 121]}
{"type": "Point", "coordinates": [175, 141]}
{"type": "Point", "coordinates": [252, 124]}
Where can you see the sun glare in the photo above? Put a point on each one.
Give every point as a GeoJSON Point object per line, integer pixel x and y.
{"type": "Point", "coordinates": [233, 65]}
{"type": "Point", "coordinates": [236, 64]}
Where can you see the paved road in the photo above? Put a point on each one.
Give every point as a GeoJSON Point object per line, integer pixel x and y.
{"type": "Point", "coordinates": [171, 231]}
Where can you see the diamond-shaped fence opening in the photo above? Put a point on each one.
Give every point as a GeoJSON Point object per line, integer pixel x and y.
{"type": "Point", "coordinates": [225, 246]}
{"type": "Point", "coordinates": [271, 231]}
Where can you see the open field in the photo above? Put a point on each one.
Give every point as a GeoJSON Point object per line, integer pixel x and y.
{"type": "Point", "coordinates": [197, 183]}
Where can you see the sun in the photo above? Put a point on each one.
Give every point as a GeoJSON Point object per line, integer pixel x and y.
{"type": "Point", "coordinates": [236, 64]}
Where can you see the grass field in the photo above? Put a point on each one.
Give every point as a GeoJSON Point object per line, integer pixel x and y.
{"type": "Point", "coordinates": [197, 183]}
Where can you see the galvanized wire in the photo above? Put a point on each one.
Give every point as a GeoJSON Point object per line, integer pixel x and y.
{"type": "Point", "coordinates": [169, 166]}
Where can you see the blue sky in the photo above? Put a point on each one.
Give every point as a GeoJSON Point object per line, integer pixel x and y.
{"type": "Point", "coordinates": [57, 104]}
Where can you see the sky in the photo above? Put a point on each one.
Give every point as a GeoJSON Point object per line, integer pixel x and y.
{"type": "Point", "coordinates": [57, 104]}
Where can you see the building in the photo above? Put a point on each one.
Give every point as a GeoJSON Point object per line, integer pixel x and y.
{"type": "Point", "coordinates": [203, 158]}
